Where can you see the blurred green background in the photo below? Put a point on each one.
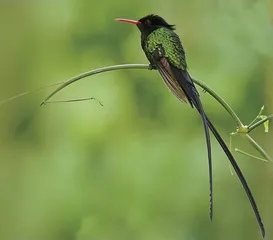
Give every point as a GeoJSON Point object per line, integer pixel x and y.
{"type": "Point", "coordinates": [135, 168]}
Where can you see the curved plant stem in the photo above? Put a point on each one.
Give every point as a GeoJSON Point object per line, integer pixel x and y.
{"type": "Point", "coordinates": [27, 92]}
{"type": "Point", "coordinates": [258, 147]}
{"type": "Point", "coordinates": [145, 66]}
{"type": "Point", "coordinates": [93, 72]}
{"type": "Point", "coordinates": [252, 127]}
{"type": "Point", "coordinates": [221, 101]}
{"type": "Point", "coordinates": [241, 128]}
{"type": "Point", "coordinates": [76, 100]}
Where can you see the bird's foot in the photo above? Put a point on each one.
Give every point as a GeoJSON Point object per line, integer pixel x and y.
{"type": "Point", "coordinates": [151, 67]}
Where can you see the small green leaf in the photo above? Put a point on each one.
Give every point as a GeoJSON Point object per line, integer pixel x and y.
{"type": "Point", "coordinates": [261, 111]}
{"type": "Point", "coordinates": [266, 124]}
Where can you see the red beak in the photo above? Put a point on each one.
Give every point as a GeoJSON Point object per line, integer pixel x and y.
{"type": "Point", "coordinates": [127, 21]}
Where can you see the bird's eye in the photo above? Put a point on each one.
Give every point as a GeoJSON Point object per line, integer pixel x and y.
{"type": "Point", "coordinates": [148, 22]}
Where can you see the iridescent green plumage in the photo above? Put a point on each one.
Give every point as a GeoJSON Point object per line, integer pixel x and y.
{"type": "Point", "coordinates": [166, 43]}
{"type": "Point", "coordinates": [171, 44]}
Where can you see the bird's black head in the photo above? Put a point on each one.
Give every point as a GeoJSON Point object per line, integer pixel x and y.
{"type": "Point", "coordinates": [149, 23]}
{"type": "Point", "coordinates": [152, 22]}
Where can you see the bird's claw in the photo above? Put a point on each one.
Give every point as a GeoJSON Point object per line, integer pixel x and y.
{"type": "Point", "coordinates": [151, 67]}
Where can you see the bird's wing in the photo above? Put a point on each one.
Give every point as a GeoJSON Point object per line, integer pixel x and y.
{"type": "Point", "coordinates": [163, 67]}
{"type": "Point", "coordinates": [181, 85]}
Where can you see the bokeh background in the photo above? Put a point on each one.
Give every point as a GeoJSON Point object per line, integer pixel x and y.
{"type": "Point", "coordinates": [135, 168]}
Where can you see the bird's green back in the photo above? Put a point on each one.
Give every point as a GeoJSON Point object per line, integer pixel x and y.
{"type": "Point", "coordinates": [168, 40]}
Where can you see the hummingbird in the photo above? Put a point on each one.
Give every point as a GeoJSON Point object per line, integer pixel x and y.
{"type": "Point", "coordinates": [164, 51]}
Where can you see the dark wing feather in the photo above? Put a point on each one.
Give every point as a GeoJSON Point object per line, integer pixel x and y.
{"type": "Point", "coordinates": [181, 85]}
{"type": "Point", "coordinates": [163, 68]}
{"type": "Point", "coordinates": [188, 87]}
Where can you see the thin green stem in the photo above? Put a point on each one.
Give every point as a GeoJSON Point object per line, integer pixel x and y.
{"type": "Point", "coordinates": [258, 147]}
{"type": "Point", "coordinates": [145, 66]}
{"type": "Point", "coordinates": [28, 92]}
{"type": "Point", "coordinates": [243, 130]}
{"type": "Point", "coordinates": [221, 101]}
{"type": "Point", "coordinates": [257, 117]}
{"type": "Point", "coordinates": [257, 124]}
{"type": "Point", "coordinates": [250, 155]}
{"type": "Point", "coordinates": [96, 71]}
{"type": "Point", "coordinates": [75, 100]}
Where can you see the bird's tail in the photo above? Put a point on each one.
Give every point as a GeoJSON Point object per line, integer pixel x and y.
{"type": "Point", "coordinates": [198, 105]}
{"type": "Point", "coordinates": [239, 174]}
